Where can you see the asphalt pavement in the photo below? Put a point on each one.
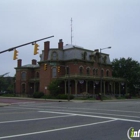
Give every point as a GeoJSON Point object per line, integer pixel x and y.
{"type": "Point", "coordinates": [33, 120]}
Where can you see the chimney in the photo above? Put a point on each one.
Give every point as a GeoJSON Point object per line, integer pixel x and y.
{"type": "Point", "coordinates": [60, 44]}
{"type": "Point", "coordinates": [33, 62]}
{"type": "Point", "coordinates": [19, 63]}
{"type": "Point", "coordinates": [46, 49]}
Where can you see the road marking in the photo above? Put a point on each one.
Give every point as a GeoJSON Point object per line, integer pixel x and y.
{"type": "Point", "coordinates": [83, 115]}
{"type": "Point", "coordinates": [55, 112]}
{"type": "Point", "coordinates": [101, 113]}
{"type": "Point", "coordinates": [36, 119]}
{"type": "Point", "coordinates": [93, 115]}
{"type": "Point", "coordinates": [103, 117]}
{"type": "Point", "coordinates": [58, 129]}
{"type": "Point", "coordinates": [86, 109]}
{"type": "Point", "coordinates": [22, 102]}
{"type": "Point", "coordinates": [120, 119]}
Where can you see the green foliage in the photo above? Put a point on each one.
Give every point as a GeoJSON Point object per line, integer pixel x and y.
{"type": "Point", "coordinates": [7, 84]}
{"type": "Point", "coordinates": [54, 87]}
{"type": "Point", "coordinates": [8, 95]}
{"type": "Point", "coordinates": [128, 69]}
{"type": "Point", "coordinates": [64, 96]}
{"type": "Point", "coordinates": [3, 84]}
{"type": "Point", "coordinates": [38, 94]}
{"type": "Point", "coordinates": [59, 96]}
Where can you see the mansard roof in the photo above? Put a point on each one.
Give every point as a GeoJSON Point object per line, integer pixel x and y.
{"type": "Point", "coordinates": [75, 52]}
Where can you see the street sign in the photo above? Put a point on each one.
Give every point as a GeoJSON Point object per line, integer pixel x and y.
{"type": "Point", "coordinates": [53, 64]}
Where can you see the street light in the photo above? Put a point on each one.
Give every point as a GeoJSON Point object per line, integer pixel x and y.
{"type": "Point", "coordinates": [100, 68]}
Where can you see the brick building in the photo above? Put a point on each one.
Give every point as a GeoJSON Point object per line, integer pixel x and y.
{"type": "Point", "coordinates": [86, 71]}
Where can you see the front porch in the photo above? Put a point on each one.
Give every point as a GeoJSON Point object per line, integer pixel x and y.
{"type": "Point", "coordinates": [80, 85]}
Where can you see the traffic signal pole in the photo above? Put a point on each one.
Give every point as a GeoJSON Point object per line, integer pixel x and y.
{"type": "Point", "coordinates": [32, 42]}
{"type": "Point", "coordinates": [58, 68]}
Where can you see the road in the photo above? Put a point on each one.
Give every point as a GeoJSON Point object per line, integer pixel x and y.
{"type": "Point", "coordinates": [69, 120]}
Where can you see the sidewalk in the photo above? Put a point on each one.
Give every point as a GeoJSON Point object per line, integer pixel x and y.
{"type": "Point", "coordinates": [61, 100]}
{"type": "Point", "coordinates": [4, 104]}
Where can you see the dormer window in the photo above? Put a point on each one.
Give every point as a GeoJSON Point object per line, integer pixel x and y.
{"type": "Point", "coordinates": [54, 56]}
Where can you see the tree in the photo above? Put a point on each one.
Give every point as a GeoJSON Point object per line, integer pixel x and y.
{"type": "Point", "coordinates": [7, 84]}
{"type": "Point", "coordinates": [54, 87]}
{"type": "Point", "coordinates": [3, 84]}
{"type": "Point", "coordinates": [128, 69]}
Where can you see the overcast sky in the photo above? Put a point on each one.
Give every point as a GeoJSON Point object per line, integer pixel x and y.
{"type": "Point", "coordinates": [96, 24]}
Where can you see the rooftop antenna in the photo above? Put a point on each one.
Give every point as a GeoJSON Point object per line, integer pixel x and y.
{"type": "Point", "coordinates": [71, 31]}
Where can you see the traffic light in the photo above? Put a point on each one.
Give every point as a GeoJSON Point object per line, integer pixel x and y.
{"type": "Point", "coordinates": [36, 48]}
{"type": "Point", "coordinates": [15, 55]}
{"type": "Point", "coordinates": [45, 66]}
{"type": "Point", "coordinates": [58, 69]}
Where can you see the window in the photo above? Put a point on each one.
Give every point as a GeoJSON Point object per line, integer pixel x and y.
{"type": "Point", "coordinates": [37, 74]}
{"type": "Point", "coordinates": [67, 70]}
{"type": "Point", "coordinates": [54, 56]}
{"type": "Point", "coordinates": [54, 72]}
{"type": "Point", "coordinates": [94, 72]}
{"type": "Point", "coordinates": [88, 71]}
{"type": "Point", "coordinates": [23, 76]}
{"type": "Point", "coordinates": [81, 70]}
{"type": "Point", "coordinates": [107, 73]}
{"type": "Point", "coordinates": [102, 72]}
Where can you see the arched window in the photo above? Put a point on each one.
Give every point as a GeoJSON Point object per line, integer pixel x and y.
{"type": "Point", "coordinates": [54, 72]}
{"type": "Point", "coordinates": [96, 72]}
{"type": "Point", "coordinates": [107, 73]}
{"type": "Point", "coordinates": [88, 71]}
{"type": "Point", "coordinates": [23, 76]}
{"type": "Point", "coordinates": [102, 72]}
{"type": "Point", "coordinates": [81, 70]}
{"type": "Point", "coordinates": [37, 74]}
{"type": "Point", "coordinates": [67, 70]}
{"type": "Point", "coordinates": [54, 56]}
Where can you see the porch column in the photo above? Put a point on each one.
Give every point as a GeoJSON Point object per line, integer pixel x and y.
{"type": "Point", "coordinates": [34, 87]}
{"type": "Point", "coordinates": [119, 89]}
{"type": "Point", "coordinates": [65, 87]}
{"type": "Point", "coordinates": [114, 88]}
{"type": "Point", "coordinates": [76, 87]}
{"type": "Point", "coordinates": [125, 88]}
{"type": "Point", "coordinates": [104, 87]}
{"type": "Point", "coordinates": [93, 88]}
{"type": "Point", "coordinates": [86, 86]}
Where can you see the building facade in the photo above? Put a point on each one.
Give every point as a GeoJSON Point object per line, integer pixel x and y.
{"type": "Point", "coordinates": [81, 71]}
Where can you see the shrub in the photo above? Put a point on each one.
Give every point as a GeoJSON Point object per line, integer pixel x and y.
{"type": "Point", "coordinates": [128, 96]}
{"type": "Point", "coordinates": [64, 96]}
{"type": "Point", "coordinates": [38, 94]}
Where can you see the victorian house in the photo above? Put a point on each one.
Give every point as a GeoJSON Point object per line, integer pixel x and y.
{"type": "Point", "coordinates": [80, 70]}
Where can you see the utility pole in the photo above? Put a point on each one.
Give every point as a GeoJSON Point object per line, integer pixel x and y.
{"type": "Point", "coordinates": [71, 31]}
